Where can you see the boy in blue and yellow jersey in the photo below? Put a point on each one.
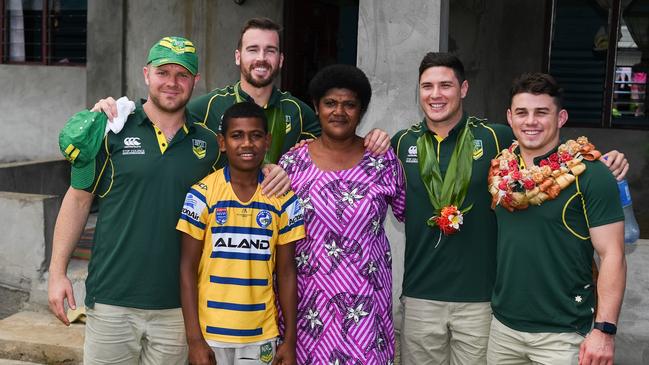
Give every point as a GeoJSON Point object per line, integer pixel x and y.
{"type": "Point", "coordinates": [234, 240]}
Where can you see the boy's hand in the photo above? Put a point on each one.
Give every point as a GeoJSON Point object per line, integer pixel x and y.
{"type": "Point", "coordinates": [377, 141]}
{"type": "Point", "coordinates": [108, 106]}
{"type": "Point", "coordinates": [276, 181]}
{"type": "Point", "coordinates": [285, 355]}
{"type": "Point", "coordinates": [200, 353]}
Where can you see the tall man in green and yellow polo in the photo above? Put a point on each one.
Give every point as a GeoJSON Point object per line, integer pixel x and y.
{"type": "Point", "coordinates": [139, 176]}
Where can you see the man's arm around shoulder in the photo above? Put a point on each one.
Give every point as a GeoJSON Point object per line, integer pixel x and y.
{"type": "Point", "coordinates": [69, 226]}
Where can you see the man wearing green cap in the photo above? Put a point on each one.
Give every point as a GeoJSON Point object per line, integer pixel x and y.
{"type": "Point", "coordinates": [260, 59]}
{"type": "Point", "coordinates": [140, 176]}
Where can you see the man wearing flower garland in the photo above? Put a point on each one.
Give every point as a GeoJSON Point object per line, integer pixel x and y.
{"type": "Point", "coordinates": [450, 263]}
{"type": "Point", "coordinates": [544, 294]}
{"type": "Point", "coordinates": [449, 271]}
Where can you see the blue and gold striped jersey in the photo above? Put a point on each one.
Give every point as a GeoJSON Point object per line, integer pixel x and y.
{"type": "Point", "coordinates": [236, 301]}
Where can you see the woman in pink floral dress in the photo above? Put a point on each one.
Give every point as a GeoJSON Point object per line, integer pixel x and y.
{"type": "Point", "coordinates": [344, 265]}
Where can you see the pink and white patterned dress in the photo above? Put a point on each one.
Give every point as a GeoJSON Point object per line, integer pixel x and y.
{"type": "Point", "coordinates": [344, 265]}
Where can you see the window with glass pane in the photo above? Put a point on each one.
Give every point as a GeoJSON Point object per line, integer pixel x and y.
{"type": "Point", "coordinates": [43, 31]}
{"type": "Point", "coordinates": [599, 52]}
{"type": "Point", "coordinates": [629, 106]}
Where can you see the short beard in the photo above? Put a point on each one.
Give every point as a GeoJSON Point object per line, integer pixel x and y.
{"type": "Point", "coordinates": [158, 104]}
{"type": "Point", "coordinates": [247, 75]}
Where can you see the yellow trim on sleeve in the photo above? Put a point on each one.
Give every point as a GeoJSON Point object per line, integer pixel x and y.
{"type": "Point", "coordinates": [103, 168]}
{"type": "Point", "coordinates": [495, 136]}
{"type": "Point", "coordinates": [583, 205]}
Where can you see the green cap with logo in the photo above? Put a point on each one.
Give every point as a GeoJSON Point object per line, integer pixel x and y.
{"type": "Point", "coordinates": [176, 50]}
{"type": "Point", "coordinates": [80, 141]}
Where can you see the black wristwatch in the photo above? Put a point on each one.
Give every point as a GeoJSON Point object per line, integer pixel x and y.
{"type": "Point", "coordinates": [606, 327]}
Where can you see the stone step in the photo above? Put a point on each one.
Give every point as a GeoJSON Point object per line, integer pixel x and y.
{"type": "Point", "coordinates": [17, 362]}
{"type": "Point", "coordinates": [38, 337]}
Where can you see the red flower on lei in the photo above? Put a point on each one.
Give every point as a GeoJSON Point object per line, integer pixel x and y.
{"type": "Point", "coordinates": [449, 219]}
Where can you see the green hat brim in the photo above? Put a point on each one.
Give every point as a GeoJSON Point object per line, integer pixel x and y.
{"type": "Point", "coordinates": [81, 177]}
{"type": "Point", "coordinates": [162, 61]}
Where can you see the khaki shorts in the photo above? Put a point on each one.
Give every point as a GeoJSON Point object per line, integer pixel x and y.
{"type": "Point", "coordinates": [259, 353]}
{"type": "Point", "coordinates": [508, 346]}
{"type": "Point", "coordinates": [435, 332]}
{"type": "Point", "coordinates": [122, 335]}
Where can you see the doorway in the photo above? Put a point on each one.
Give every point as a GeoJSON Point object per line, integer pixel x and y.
{"type": "Point", "coordinates": [316, 33]}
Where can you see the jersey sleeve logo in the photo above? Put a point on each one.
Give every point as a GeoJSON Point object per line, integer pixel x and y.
{"type": "Point", "coordinates": [199, 147]}
{"type": "Point", "coordinates": [193, 207]}
{"type": "Point", "coordinates": [264, 218]}
{"type": "Point", "coordinates": [295, 212]}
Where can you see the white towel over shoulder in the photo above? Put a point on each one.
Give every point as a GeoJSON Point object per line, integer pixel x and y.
{"type": "Point", "coordinates": [124, 108]}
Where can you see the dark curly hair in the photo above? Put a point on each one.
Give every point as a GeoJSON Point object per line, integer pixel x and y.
{"type": "Point", "coordinates": [341, 76]}
{"type": "Point", "coordinates": [537, 83]}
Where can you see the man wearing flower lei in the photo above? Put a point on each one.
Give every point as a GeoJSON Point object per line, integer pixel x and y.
{"type": "Point", "coordinates": [450, 255]}
{"type": "Point", "coordinates": [555, 207]}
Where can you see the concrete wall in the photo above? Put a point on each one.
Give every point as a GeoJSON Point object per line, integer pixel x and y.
{"type": "Point", "coordinates": [496, 40]}
{"type": "Point", "coordinates": [392, 39]}
{"type": "Point", "coordinates": [26, 240]}
{"type": "Point", "coordinates": [213, 26]}
{"type": "Point", "coordinates": [35, 102]}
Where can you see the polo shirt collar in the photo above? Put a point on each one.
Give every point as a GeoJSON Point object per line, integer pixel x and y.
{"type": "Point", "coordinates": [274, 96]}
{"type": "Point", "coordinates": [454, 131]}
{"type": "Point", "coordinates": [226, 174]}
{"type": "Point", "coordinates": [140, 116]}
{"type": "Point", "coordinates": [538, 159]}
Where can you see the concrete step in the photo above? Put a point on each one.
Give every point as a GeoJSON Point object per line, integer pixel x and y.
{"type": "Point", "coordinates": [38, 337]}
{"type": "Point", "coordinates": [16, 362]}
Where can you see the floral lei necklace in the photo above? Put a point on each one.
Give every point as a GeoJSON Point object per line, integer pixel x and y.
{"type": "Point", "coordinates": [447, 194]}
{"type": "Point", "coordinates": [514, 187]}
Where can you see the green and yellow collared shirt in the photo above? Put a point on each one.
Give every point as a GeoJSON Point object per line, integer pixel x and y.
{"type": "Point", "coordinates": [141, 182]}
{"type": "Point", "coordinates": [462, 268]}
{"type": "Point", "coordinates": [301, 122]}
{"type": "Point", "coordinates": [544, 280]}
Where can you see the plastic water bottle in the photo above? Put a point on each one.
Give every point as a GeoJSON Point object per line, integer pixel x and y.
{"type": "Point", "coordinates": [631, 229]}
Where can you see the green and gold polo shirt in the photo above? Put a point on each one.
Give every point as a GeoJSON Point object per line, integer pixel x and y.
{"type": "Point", "coordinates": [544, 281]}
{"type": "Point", "coordinates": [141, 182]}
{"type": "Point", "coordinates": [463, 266]}
{"type": "Point", "coordinates": [301, 122]}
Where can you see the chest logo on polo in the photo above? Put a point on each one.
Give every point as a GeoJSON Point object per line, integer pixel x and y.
{"type": "Point", "coordinates": [412, 155]}
{"type": "Point", "coordinates": [288, 121]}
{"type": "Point", "coordinates": [132, 146]}
{"type": "Point", "coordinates": [199, 147]}
{"type": "Point", "coordinates": [478, 151]}
{"type": "Point", "coordinates": [264, 218]}
{"type": "Point", "coordinates": [221, 215]}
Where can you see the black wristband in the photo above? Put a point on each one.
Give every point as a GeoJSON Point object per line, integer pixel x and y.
{"type": "Point", "coordinates": [606, 327]}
